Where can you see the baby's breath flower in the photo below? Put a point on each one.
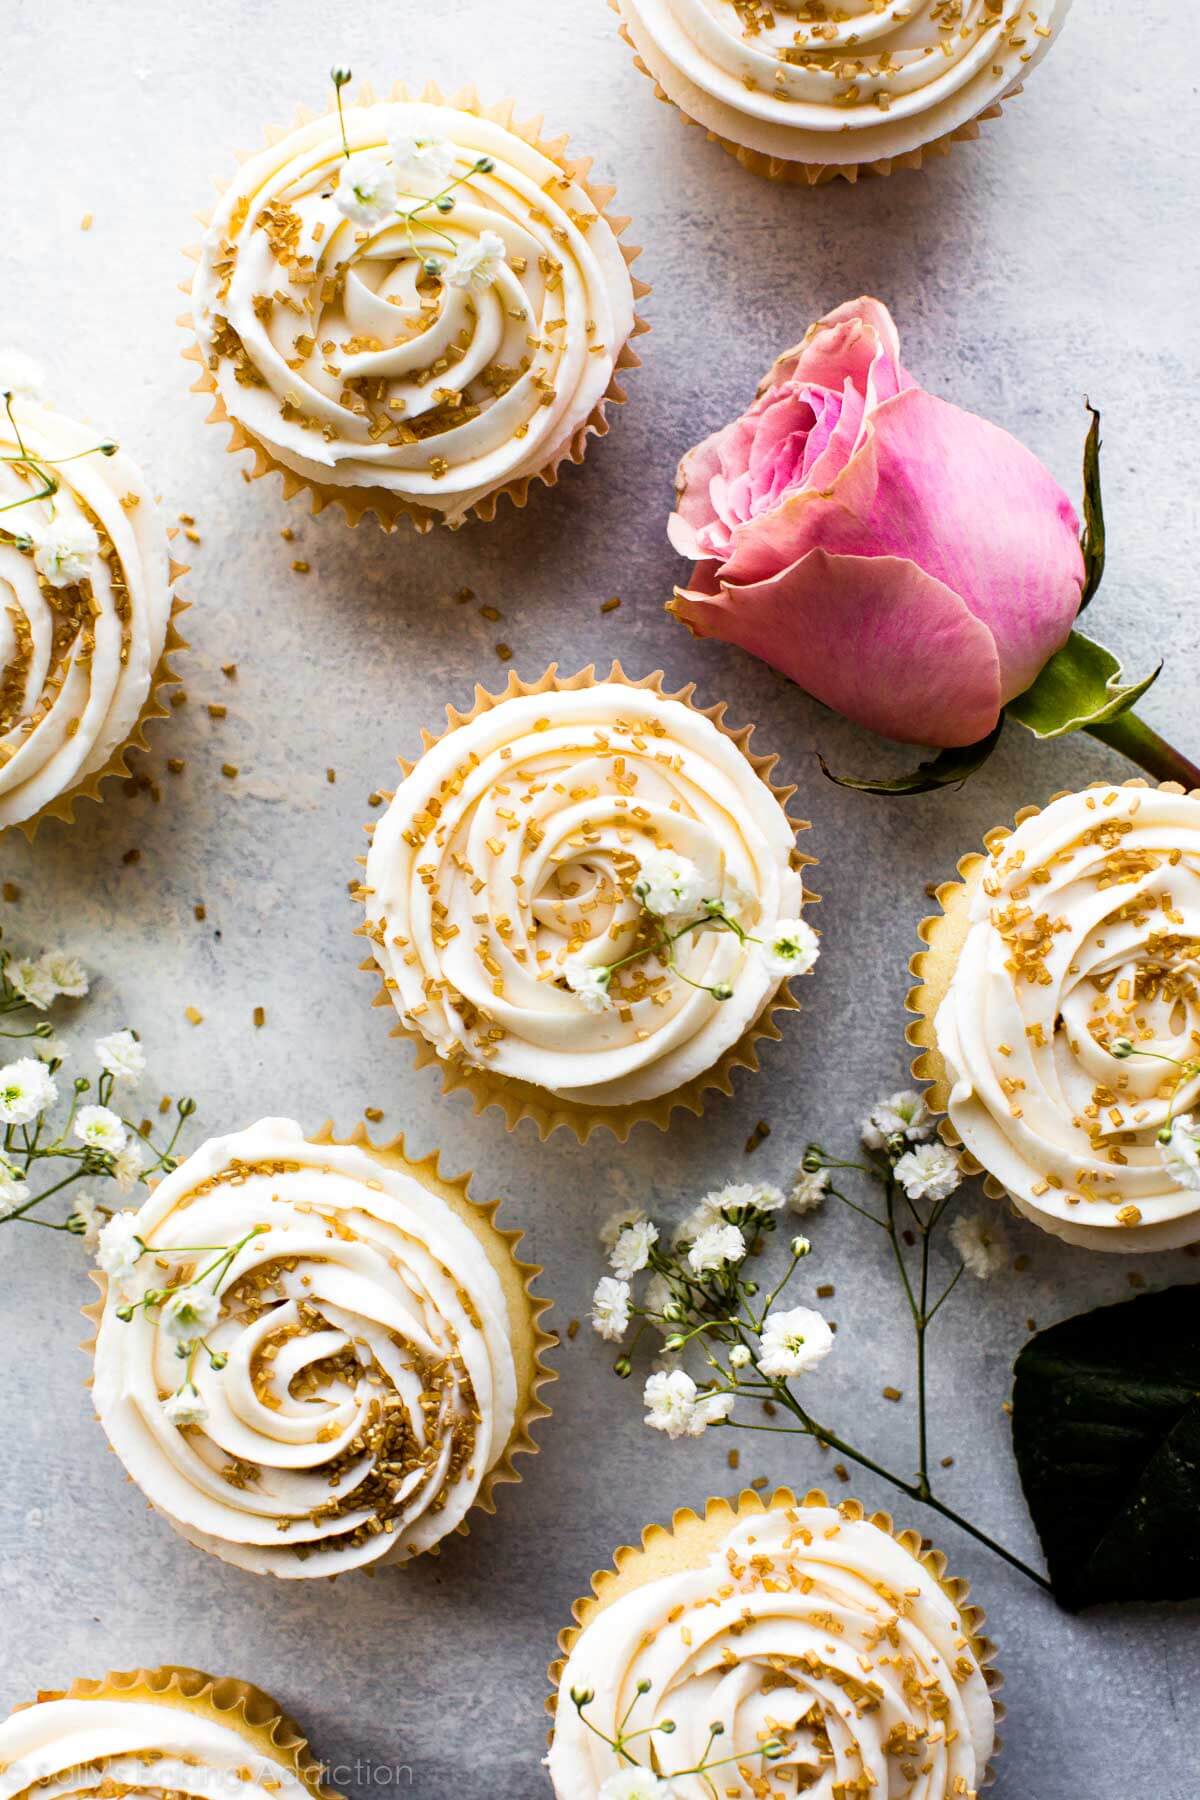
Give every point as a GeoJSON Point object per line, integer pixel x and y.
{"type": "Point", "coordinates": [477, 265]}
{"type": "Point", "coordinates": [670, 1399]}
{"type": "Point", "coordinates": [668, 883]}
{"type": "Point", "coordinates": [716, 1246]}
{"type": "Point", "coordinates": [20, 375]}
{"type": "Point", "coordinates": [189, 1313]}
{"type": "Point", "coordinates": [120, 1246]}
{"type": "Point", "coordinates": [631, 1252]}
{"type": "Point", "coordinates": [100, 1129]}
{"type": "Point", "coordinates": [63, 549]}
{"type": "Point", "coordinates": [67, 973]}
{"type": "Point", "coordinates": [793, 1342]}
{"type": "Point", "coordinates": [33, 981]}
{"type": "Point", "coordinates": [431, 159]}
{"type": "Point", "coordinates": [693, 1223]}
{"type": "Point", "coordinates": [980, 1241]}
{"type": "Point", "coordinates": [1181, 1152]}
{"type": "Point", "coordinates": [128, 1165]}
{"type": "Point", "coordinates": [12, 1189]}
{"type": "Point", "coordinates": [610, 1309]}
{"type": "Point", "coordinates": [185, 1407]}
{"type": "Point", "coordinates": [657, 1300]}
{"type": "Point", "coordinates": [801, 1246]}
{"type": "Point", "coordinates": [710, 1409]}
{"type": "Point", "coordinates": [591, 981]}
{"type": "Point", "coordinates": [617, 1222]}
{"type": "Point", "coordinates": [791, 949]}
{"type": "Point", "coordinates": [121, 1055]}
{"type": "Point", "coordinates": [91, 1219]}
{"type": "Point", "coordinates": [26, 1089]}
{"type": "Point", "coordinates": [739, 1356]}
{"type": "Point", "coordinates": [366, 189]}
{"type": "Point", "coordinates": [902, 1115]}
{"type": "Point", "coordinates": [809, 1190]}
{"type": "Point", "coordinates": [741, 1196]}
{"type": "Point", "coordinates": [930, 1172]}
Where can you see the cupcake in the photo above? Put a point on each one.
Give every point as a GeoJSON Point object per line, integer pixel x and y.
{"type": "Point", "coordinates": [786, 1646]}
{"type": "Point", "coordinates": [1059, 1004]}
{"type": "Point", "coordinates": [413, 306]}
{"type": "Point", "coordinates": [360, 1360]}
{"type": "Point", "coordinates": [585, 898]}
{"type": "Point", "coordinates": [85, 605]}
{"type": "Point", "coordinates": [158, 1731]}
{"type": "Point", "coordinates": [802, 91]}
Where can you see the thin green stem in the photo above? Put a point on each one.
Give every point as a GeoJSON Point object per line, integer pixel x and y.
{"type": "Point", "coordinates": [1143, 745]}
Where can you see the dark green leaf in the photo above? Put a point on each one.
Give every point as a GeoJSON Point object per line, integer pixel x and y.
{"type": "Point", "coordinates": [1092, 542]}
{"type": "Point", "coordinates": [1106, 1429]}
{"type": "Point", "coordinates": [949, 768]}
{"type": "Point", "coordinates": [1079, 687]}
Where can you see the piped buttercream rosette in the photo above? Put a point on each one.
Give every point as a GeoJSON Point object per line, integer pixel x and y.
{"type": "Point", "coordinates": [324, 1355]}
{"type": "Point", "coordinates": [85, 611]}
{"type": "Point", "coordinates": [806, 92]}
{"type": "Point", "coordinates": [416, 326]}
{"type": "Point", "coordinates": [505, 887]}
{"type": "Point", "coordinates": [1059, 1003]}
{"type": "Point", "coordinates": [150, 1732]}
{"type": "Point", "coordinates": [792, 1648]}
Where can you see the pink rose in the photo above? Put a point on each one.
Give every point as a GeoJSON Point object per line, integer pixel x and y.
{"type": "Point", "coordinates": [909, 564]}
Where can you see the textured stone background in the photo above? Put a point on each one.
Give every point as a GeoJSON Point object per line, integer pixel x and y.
{"type": "Point", "coordinates": [1056, 257]}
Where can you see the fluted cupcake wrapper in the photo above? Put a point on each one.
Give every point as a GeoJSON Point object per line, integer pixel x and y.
{"type": "Point", "coordinates": [155, 706]}
{"type": "Point", "coordinates": [817, 174]}
{"type": "Point", "coordinates": [521, 1099]}
{"type": "Point", "coordinates": [391, 509]}
{"type": "Point", "coordinates": [690, 1538]}
{"type": "Point", "coordinates": [943, 934]}
{"type": "Point", "coordinates": [528, 1336]}
{"type": "Point", "coordinates": [234, 1704]}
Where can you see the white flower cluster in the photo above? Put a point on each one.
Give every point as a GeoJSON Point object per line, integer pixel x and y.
{"type": "Point", "coordinates": [710, 1244]}
{"type": "Point", "coordinates": [64, 550]}
{"type": "Point", "coordinates": [668, 885]}
{"type": "Point", "coordinates": [371, 183]}
{"type": "Point", "coordinates": [1181, 1152]}
{"type": "Point", "coordinates": [40, 980]}
{"type": "Point", "coordinates": [27, 1088]}
{"type": "Point", "coordinates": [902, 1116]}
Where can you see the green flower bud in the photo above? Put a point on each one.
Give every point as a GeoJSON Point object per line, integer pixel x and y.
{"type": "Point", "coordinates": [340, 75]}
{"type": "Point", "coordinates": [1121, 1047]}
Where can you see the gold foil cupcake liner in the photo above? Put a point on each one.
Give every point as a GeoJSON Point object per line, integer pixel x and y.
{"type": "Point", "coordinates": [62, 807]}
{"type": "Point", "coordinates": [944, 934]}
{"type": "Point", "coordinates": [691, 1537]}
{"type": "Point", "coordinates": [548, 1112]}
{"type": "Point", "coordinates": [390, 509]}
{"type": "Point", "coordinates": [528, 1337]}
{"type": "Point", "coordinates": [816, 174]}
{"type": "Point", "coordinates": [237, 1705]}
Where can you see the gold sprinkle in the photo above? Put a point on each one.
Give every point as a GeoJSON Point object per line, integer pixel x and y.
{"type": "Point", "coordinates": [193, 1015]}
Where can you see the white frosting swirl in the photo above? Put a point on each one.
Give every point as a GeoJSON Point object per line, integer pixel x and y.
{"type": "Point", "coordinates": [76, 661]}
{"type": "Point", "coordinates": [355, 368]}
{"type": "Point", "coordinates": [808, 1625]}
{"type": "Point", "coordinates": [1085, 928]}
{"type": "Point", "coordinates": [515, 843]}
{"type": "Point", "coordinates": [863, 80]}
{"type": "Point", "coordinates": [75, 1747]}
{"type": "Point", "coordinates": [370, 1383]}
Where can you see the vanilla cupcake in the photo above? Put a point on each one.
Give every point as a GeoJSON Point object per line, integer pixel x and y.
{"type": "Point", "coordinates": [790, 1647]}
{"type": "Point", "coordinates": [1060, 1015]}
{"type": "Point", "coordinates": [414, 306]}
{"type": "Point", "coordinates": [802, 91]}
{"type": "Point", "coordinates": [362, 1352]}
{"type": "Point", "coordinates": [85, 605]}
{"type": "Point", "coordinates": [521, 888]}
{"type": "Point", "coordinates": [150, 1732]}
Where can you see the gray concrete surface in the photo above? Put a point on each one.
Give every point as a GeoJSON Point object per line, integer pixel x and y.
{"type": "Point", "coordinates": [1056, 257]}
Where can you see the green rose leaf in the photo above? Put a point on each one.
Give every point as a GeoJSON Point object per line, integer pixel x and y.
{"type": "Point", "coordinates": [1092, 542]}
{"type": "Point", "coordinates": [1106, 1430]}
{"type": "Point", "coordinates": [949, 768]}
{"type": "Point", "coordinates": [1079, 688]}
